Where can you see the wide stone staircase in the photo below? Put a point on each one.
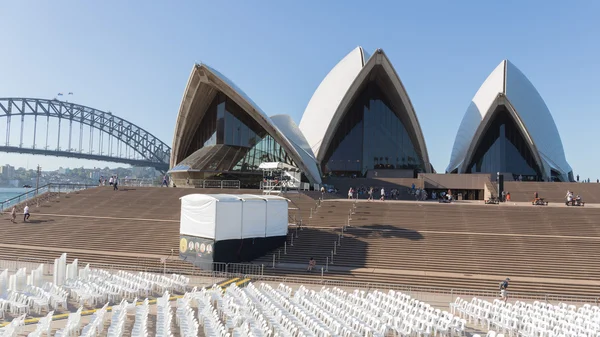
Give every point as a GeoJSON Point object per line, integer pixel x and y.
{"type": "Point", "coordinates": [552, 192]}
{"type": "Point", "coordinates": [546, 250]}
{"type": "Point", "coordinates": [135, 227]}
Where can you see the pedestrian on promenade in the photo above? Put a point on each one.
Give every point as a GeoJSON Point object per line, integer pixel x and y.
{"type": "Point", "coordinates": [25, 213]}
{"type": "Point", "coordinates": [13, 215]}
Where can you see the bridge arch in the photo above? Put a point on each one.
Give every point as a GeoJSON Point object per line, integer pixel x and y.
{"type": "Point", "coordinates": [144, 148]}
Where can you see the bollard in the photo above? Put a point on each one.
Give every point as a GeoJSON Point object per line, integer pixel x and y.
{"type": "Point", "coordinates": [297, 231]}
{"type": "Point", "coordinates": [350, 214]}
{"type": "Point", "coordinates": [321, 273]}
{"type": "Point", "coordinates": [339, 242]}
{"type": "Point", "coordinates": [327, 264]}
{"type": "Point", "coordinates": [273, 261]}
{"type": "Point", "coordinates": [285, 248]}
{"type": "Point", "coordinates": [332, 257]}
{"type": "Point", "coordinates": [292, 242]}
{"type": "Point", "coordinates": [334, 247]}
{"type": "Point", "coordinates": [262, 269]}
{"type": "Point", "coordinates": [310, 213]}
{"type": "Point", "coordinates": [279, 257]}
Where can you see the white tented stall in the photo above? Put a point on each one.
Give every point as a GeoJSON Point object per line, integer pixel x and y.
{"type": "Point", "coordinates": [233, 217]}
{"type": "Point", "coordinates": [277, 215]}
{"type": "Point", "coordinates": [254, 216]}
{"type": "Point", "coordinates": [227, 228]}
{"type": "Point", "coordinates": [211, 216]}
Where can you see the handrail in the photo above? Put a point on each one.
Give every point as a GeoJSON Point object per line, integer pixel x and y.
{"type": "Point", "coordinates": [33, 190]}
{"type": "Point", "coordinates": [36, 191]}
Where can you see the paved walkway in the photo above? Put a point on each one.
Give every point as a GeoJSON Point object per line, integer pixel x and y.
{"type": "Point", "coordinates": [468, 203]}
{"type": "Point", "coordinates": [593, 238]}
{"type": "Point", "coordinates": [423, 273]}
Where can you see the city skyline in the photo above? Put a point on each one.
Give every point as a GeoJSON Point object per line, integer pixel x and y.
{"type": "Point", "coordinates": [442, 56]}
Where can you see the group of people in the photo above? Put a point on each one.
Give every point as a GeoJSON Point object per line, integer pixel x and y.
{"type": "Point", "coordinates": [112, 181]}
{"type": "Point", "coordinates": [572, 200]}
{"type": "Point", "coordinates": [13, 214]}
{"type": "Point", "coordinates": [352, 193]}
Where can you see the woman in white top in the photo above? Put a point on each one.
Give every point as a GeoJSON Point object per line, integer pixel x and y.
{"type": "Point", "coordinates": [382, 194]}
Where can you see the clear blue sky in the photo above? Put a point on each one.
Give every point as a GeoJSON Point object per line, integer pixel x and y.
{"type": "Point", "coordinates": [134, 57]}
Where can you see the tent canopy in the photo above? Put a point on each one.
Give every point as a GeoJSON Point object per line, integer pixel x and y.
{"type": "Point", "coordinates": [231, 217]}
{"type": "Point", "coordinates": [277, 166]}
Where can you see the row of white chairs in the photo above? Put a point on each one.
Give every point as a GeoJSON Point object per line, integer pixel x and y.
{"type": "Point", "coordinates": [140, 326]}
{"type": "Point", "coordinates": [207, 313]}
{"type": "Point", "coordinates": [164, 316]}
{"type": "Point", "coordinates": [162, 283]}
{"type": "Point", "coordinates": [16, 303]}
{"type": "Point", "coordinates": [13, 328]}
{"type": "Point", "coordinates": [184, 318]}
{"type": "Point", "coordinates": [530, 319]}
{"type": "Point", "coordinates": [72, 327]}
{"type": "Point", "coordinates": [96, 324]}
{"type": "Point", "coordinates": [43, 326]}
{"type": "Point", "coordinates": [266, 311]}
{"type": "Point", "coordinates": [385, 312]}
{"type": "Point", "coordinates": [117, 321]}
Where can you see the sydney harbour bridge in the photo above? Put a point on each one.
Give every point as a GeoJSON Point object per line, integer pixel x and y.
{"type": "Point", "coordinates": [57, 128]}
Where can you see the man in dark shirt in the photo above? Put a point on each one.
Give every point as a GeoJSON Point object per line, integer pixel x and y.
{"type": "Point", "coordinates": [503, 289]}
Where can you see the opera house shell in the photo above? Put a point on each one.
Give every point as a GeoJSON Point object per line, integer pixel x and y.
{"type": "Point", "coordinates": [221, 133]}
{"type": "Point", "coordinates": [361, 118]}
{"type": "Point", "coordinates": [508, 128]}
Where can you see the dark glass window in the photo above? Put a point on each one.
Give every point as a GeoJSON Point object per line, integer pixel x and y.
{"type": "Point", "coordinates": [371, 136]}
{"type": "Point", "coordinates": [504, 149]}
{"type": "Point", "coordinates": [228, 139]}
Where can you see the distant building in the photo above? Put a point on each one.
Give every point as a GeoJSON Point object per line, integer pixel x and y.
{"type": "Point", "coordinates": [94, 175]}
{"type": "Point", "coordinates": [14, 183]}
{"type": "Point", "coordinates": [7, 172]}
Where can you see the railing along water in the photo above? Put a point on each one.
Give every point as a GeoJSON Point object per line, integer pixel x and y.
{"type": "Point", "coordinates": [48, 188]}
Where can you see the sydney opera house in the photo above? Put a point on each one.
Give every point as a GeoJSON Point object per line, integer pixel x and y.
{"type": "Point", "coordinates": [361, 119]}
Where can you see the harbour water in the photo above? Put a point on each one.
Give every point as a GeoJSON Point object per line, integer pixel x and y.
{"type": "Point", "coordinates": [10, 192]}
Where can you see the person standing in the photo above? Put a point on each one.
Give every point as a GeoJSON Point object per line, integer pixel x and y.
{"type": "Point", "coordinates": [25, 213]}
{"type": "Point", "coordinates": [503, 289]}
{"type": "Point", "coordinates": [115, 183]}
{"type": "Point", "coordinates": [311, 264]}
{"type": "Point", "coordinates": [13, 215]}
{"type": "Point", "coordinates": [382, 197]}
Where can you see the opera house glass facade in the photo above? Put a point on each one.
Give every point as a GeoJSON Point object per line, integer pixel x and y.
{"type": "Point", "coordinates": [504, 149]}
{"type": "Point", "coordinates": [229, 140]}
{"type": "Point", "coordinates": [370, 136]}
{"type": "Point", "coordinates": [360, 118]}
{"type": "Point", "coordinates": [508, 128]}
{"type": "Point", "coordinates": [221, 134]}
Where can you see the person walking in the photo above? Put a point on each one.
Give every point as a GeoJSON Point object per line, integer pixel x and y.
{"type": "Point", "coordinates": [25, 213]}
{"type": "Point", "coordinates": [13, 215]}
{"type": "Point", "coordinates": [504, 289]}
{"type": "Point", "coordinates": [115, 183]}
